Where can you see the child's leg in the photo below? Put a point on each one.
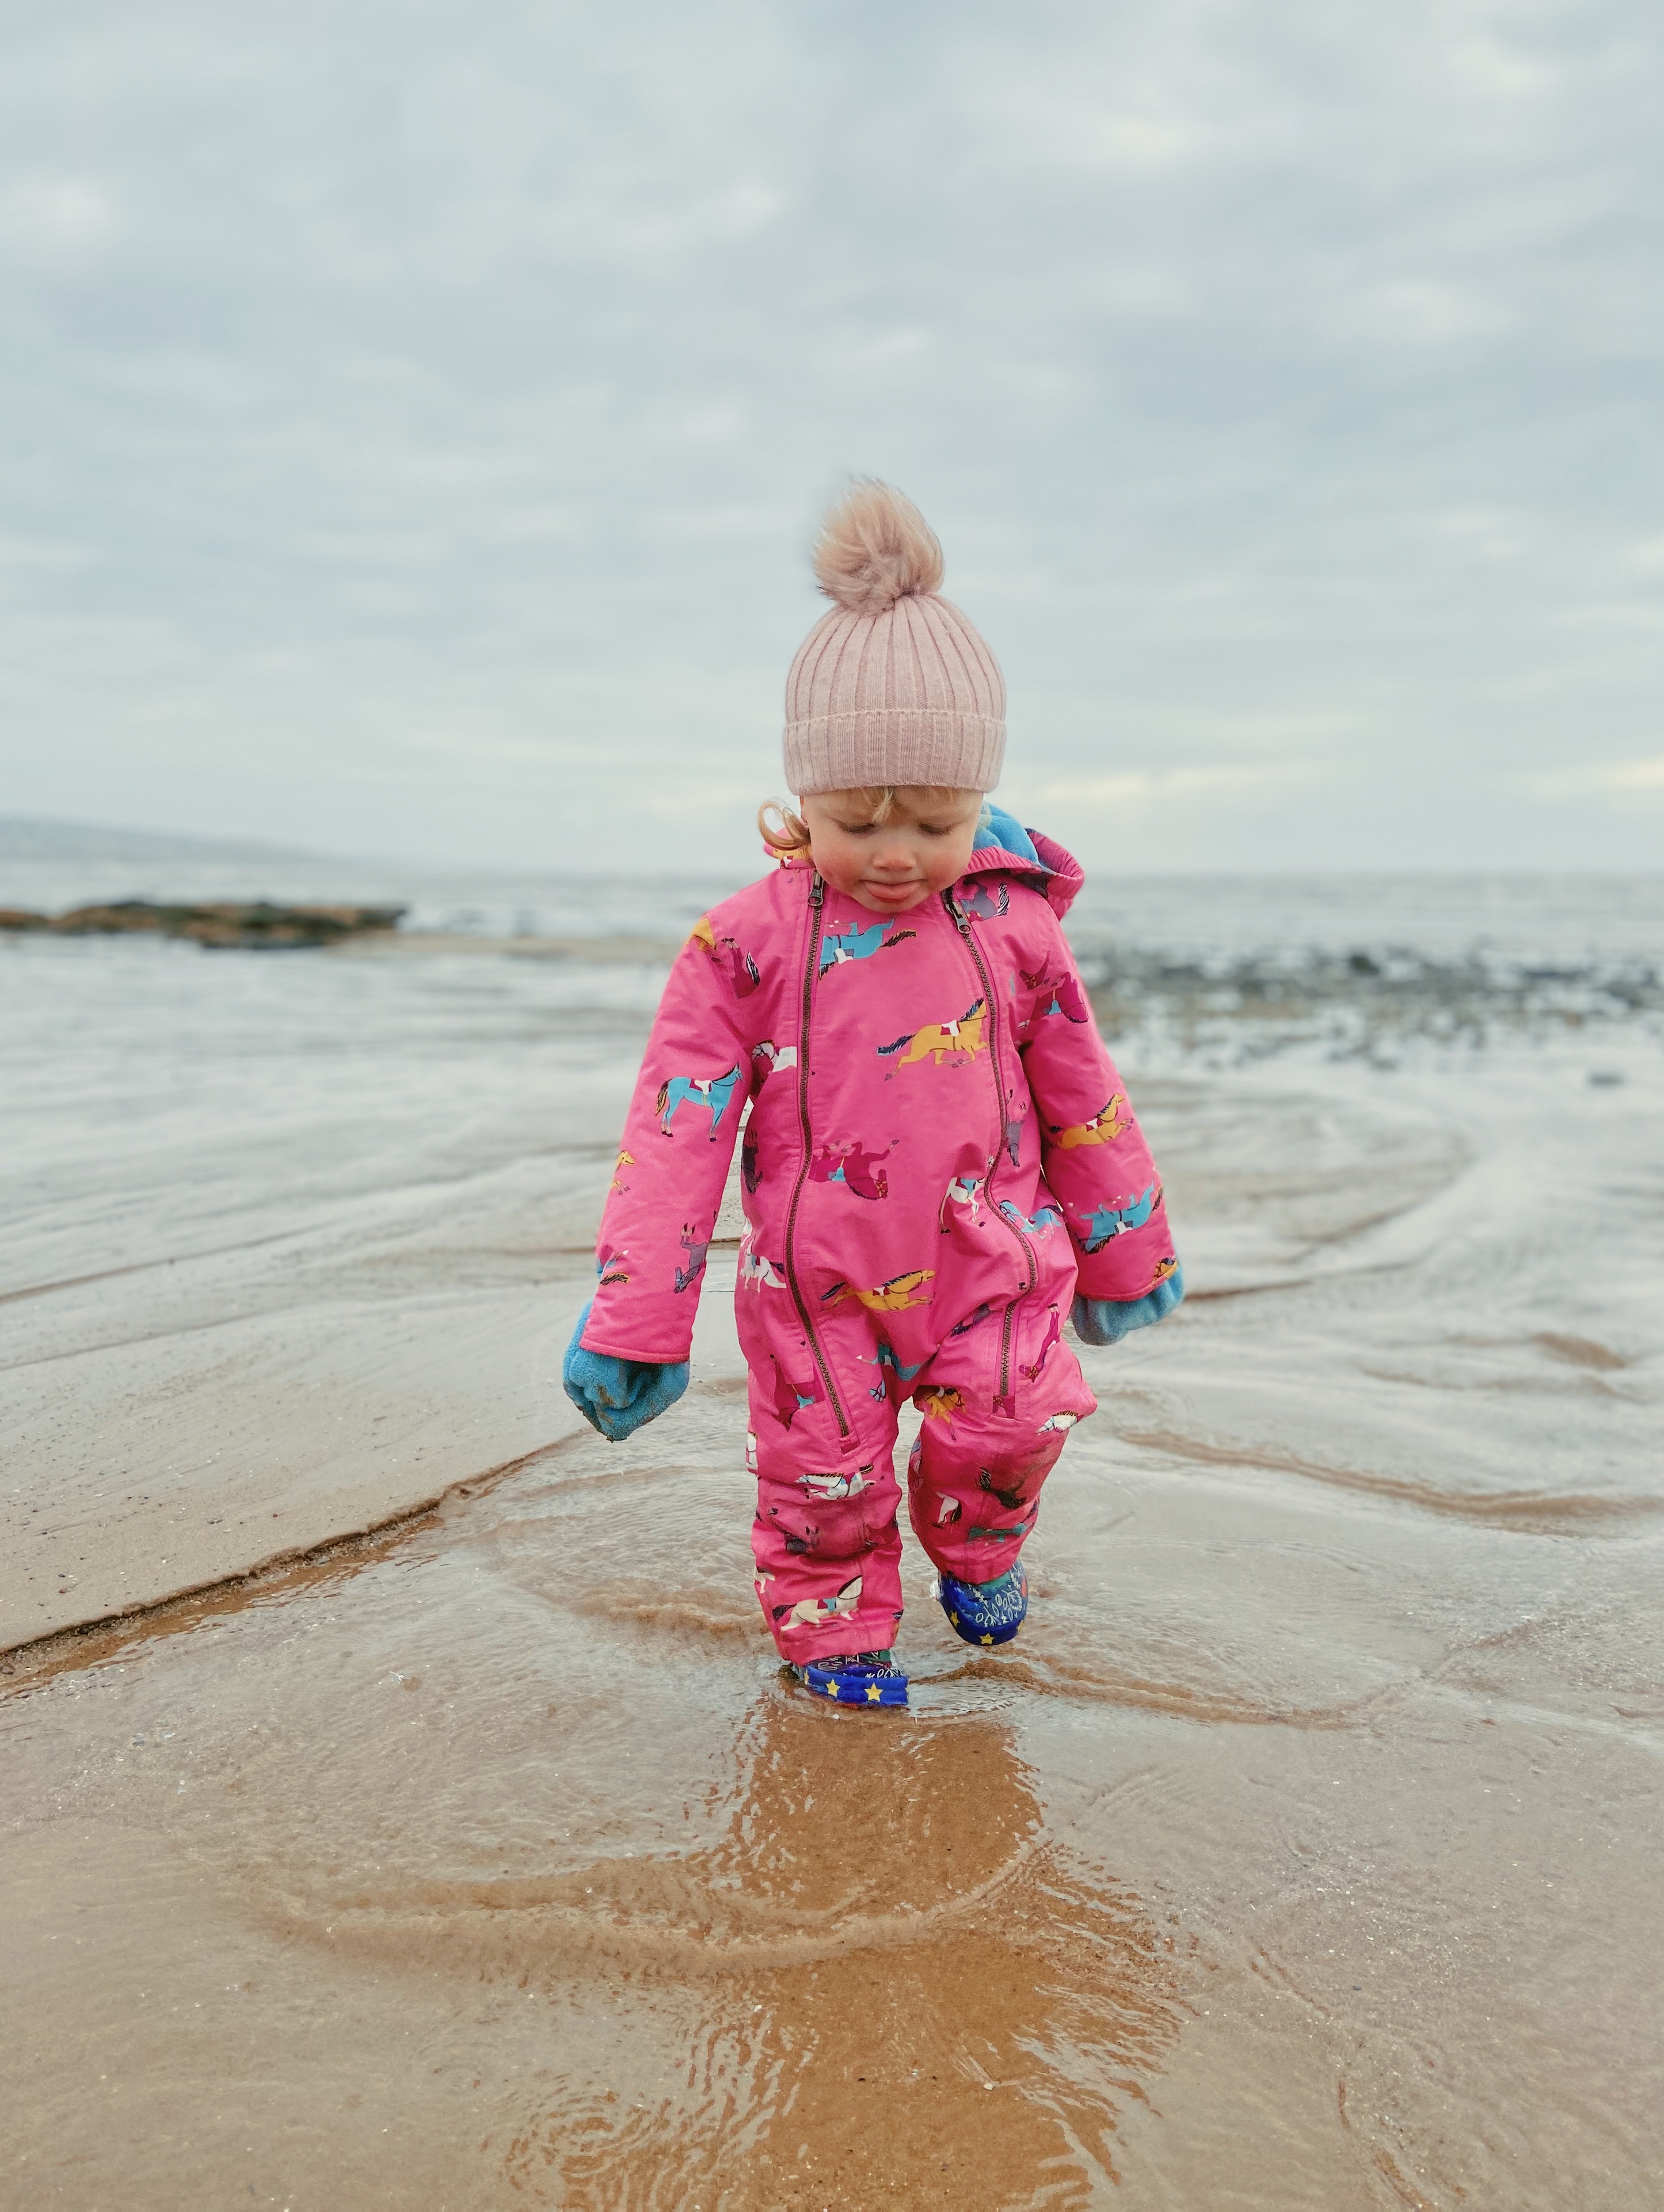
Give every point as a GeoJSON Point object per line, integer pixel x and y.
{"type": "Point", "coordinates": [997, 1413]}
{"type": "Point", "coordinates": [826, 1548]}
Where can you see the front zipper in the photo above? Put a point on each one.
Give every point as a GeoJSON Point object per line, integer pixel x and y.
{"type": "Point", "coordinates": [817, 892]}
{"type": "Point", "coordinates": [962, 923]}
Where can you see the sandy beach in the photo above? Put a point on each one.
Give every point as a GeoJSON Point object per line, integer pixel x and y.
{"type": "Point", "coordinates": [403, 1804]}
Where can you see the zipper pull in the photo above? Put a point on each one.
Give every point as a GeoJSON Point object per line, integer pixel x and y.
{"type": "Point", "coordinates": [816, 889]}
{"type": "Point", "coordinates": [961, 920]}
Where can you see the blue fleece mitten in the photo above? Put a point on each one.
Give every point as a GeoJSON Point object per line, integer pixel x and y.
{"type": "Point", "coordinates": [618, 1396]}
{"type": "Point", "coordinates": [1007, 832]}
{"type": "Point", "coordinates": [1106, 1321]}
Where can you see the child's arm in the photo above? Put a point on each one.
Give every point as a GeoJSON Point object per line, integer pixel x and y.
{"type": "Point", "coordinates": [672, 1169]}
{"type": "Point", "coordinates": [1097, 1165]}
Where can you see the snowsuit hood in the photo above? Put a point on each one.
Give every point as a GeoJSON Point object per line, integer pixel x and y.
{"type": "Point", "coordinates": [1058, 879]}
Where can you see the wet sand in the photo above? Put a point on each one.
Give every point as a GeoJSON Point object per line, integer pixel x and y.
{"type": "Point", "coordinates": [1302, 1852]}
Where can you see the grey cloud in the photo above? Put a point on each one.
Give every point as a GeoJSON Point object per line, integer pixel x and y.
{"type": "Point", "coordinates": [420, 413]}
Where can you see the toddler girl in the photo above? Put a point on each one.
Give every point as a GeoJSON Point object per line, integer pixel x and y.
{"type": "Point", "coordinates": [940, 1166]}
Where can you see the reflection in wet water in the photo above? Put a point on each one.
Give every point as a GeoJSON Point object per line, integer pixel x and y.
{"type": "Point", "coordinates": [903, 1989]}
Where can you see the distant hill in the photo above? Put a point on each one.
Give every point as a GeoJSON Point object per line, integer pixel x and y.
{"type": "Point", "coordinates": [29, 837]}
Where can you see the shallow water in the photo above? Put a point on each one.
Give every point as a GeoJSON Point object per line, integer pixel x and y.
{"type": "Point", "coordinates": [1303, 1851]}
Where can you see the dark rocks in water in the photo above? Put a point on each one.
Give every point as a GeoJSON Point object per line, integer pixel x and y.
{"type": "Point", "coordinates": [1359, 1001]}
{"type": "Point", "coordinates": [241, 924]}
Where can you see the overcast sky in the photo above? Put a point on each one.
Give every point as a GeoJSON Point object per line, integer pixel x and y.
{"type": "Point", "coordinates": [416, 414]}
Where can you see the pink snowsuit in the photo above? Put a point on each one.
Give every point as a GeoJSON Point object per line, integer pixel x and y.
{"type": "Point", "coordinates": [939, 1155]}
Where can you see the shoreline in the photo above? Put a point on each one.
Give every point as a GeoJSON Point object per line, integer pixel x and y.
{"type": "Point", "coordinates": [598, 951]}
{"type": "Point", "coordinates": [352, 940]}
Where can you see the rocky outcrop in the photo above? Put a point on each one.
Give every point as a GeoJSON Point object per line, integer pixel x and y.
{"type": "Point", "coordinates": [242, 926]}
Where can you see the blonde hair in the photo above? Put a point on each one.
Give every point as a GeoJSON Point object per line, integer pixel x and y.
{"type": "Point", "coordinates": [788, 834]}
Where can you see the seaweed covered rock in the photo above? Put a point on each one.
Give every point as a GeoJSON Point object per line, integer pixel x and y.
{"type": "Point", "coordinates": [242, 926]}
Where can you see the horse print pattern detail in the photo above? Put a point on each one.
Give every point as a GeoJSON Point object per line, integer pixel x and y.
{"type": "Point", "coordinates": [940, 1040]}
{"type": "Point", "coordinates": [713, 1093]}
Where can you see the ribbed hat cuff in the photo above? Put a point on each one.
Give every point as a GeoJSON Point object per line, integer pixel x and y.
{"type": "Point", "coordinates": [894, 745]}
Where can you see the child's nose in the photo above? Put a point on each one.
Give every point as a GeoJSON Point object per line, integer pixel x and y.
{"type": "Point", "coordinates": [895, 857]}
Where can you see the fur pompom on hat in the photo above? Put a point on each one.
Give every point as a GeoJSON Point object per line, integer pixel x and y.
{"type": "Point", "coordinates": [892, 686]}
{"type": "Point", "coordinates": [875, 548]}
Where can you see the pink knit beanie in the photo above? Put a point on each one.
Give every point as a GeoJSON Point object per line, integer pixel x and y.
{"type": "Point", "coordinates": [893, 686]}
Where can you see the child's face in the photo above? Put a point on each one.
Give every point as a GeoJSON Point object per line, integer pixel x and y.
{"type": "Point", "coordinates": [922, 845]}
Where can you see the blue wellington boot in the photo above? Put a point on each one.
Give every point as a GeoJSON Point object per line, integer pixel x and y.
{"type": "Point", "coordinates": [985, 1612]}
{"type": "Point", "coordinates": [866, 1678]}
